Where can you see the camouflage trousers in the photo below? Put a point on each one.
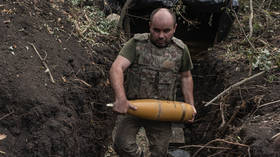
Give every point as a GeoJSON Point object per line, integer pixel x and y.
{"type": "Point", "coordinates": [158, 134]}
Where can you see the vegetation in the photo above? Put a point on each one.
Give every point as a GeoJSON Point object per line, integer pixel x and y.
{"type": "Point", "coordinates": [90, 22]}
{"type": "Point", "coordinates": [259, 49]}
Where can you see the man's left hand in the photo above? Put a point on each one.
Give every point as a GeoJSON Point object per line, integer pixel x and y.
{"type": "Point", "coordinates": [194, 113]}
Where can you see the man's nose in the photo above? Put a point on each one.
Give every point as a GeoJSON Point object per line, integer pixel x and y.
{"type": "Point", "coordinates": [161, 35]}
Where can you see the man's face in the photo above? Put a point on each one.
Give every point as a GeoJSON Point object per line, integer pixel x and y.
{"type": "Point", "coordinates": [162, 29]}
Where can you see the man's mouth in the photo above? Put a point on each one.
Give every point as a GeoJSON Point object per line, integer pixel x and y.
{"type": "Point", "coordinates": [161, 42]}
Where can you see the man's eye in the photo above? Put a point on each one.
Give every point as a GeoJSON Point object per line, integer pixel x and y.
{"type": "Point", "coordinates": [166, 31]}
{"type": "Point", "coordinates": [157, 30]}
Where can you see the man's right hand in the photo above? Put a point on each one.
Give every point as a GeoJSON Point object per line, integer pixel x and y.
{"type": "Point", "coordinates": [122, 106]}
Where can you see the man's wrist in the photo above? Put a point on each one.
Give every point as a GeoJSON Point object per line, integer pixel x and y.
{"type": "Point", "coordinates": [189, 102]}
{"type": "Point", "coordinates": [120, 97]}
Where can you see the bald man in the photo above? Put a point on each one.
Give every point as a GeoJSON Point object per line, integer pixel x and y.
{"type": "Point", "coordinates": [154, 63]}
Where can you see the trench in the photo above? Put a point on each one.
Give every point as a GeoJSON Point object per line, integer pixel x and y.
{"type": "Point", "coordinates": [208, 82]}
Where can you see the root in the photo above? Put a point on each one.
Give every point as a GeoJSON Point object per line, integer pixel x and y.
{"type": "Point", "coordinates": [222, 140]}
{"type": "Point", "coordinates": [234, 86]}
{"type": "Point", "coordinates": [251, 19]}
{"type": "Point", "coordinates": [43, 62]}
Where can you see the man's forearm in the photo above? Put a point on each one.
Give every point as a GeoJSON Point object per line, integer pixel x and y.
{"type": "Point", "coordinates": [187, 88]}
{"type": "Point", "coordinates": [116, 78]}
{"type": "Point", "coordinates": [121, 103]}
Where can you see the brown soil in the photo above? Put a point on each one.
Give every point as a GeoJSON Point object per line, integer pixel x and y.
{"type": "Point", "coordinates": [41, 118]}
{"type": "Point", "coordinates": [68, 118]}
{"type": "Point", "coordinates": [245, 121]}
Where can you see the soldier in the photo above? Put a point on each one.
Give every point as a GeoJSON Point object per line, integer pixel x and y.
{"type": "Point", "coordinates": [154, 63]}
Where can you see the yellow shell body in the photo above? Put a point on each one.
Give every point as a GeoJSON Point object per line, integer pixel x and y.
{"type": "Point", "coordinates": [162, 110]}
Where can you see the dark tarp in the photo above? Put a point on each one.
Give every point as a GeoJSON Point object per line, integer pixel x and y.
{"type": "Point", "coordinates": [203, 5]}
{"type": "Point", "coordinates": [214, 17]}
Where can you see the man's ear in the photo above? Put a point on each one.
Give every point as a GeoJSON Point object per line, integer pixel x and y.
{"type": "Point", "coordinates": [175, 26]}
{"type": "Point", "coordinates": [150, 24]}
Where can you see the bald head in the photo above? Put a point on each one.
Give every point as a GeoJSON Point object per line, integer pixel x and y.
{"type": "Point", "coordinates": [163, 14]}
{"type": "Point", "coordinates": [162, 27]}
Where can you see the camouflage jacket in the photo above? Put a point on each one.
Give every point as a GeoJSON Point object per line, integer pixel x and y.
{"type": "Point", "coordinates": [154, 72]}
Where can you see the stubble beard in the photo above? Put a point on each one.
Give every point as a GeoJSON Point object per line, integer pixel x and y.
{"type": "Point", "coordinates": [165, 42]}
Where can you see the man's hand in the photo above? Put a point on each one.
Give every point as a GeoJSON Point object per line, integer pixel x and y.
{"type": "Point", "coordinates": [194, 113]}
{"type": "Point", "coordinates": [122, 106]}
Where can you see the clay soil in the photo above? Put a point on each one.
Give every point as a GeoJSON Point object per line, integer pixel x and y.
{"type": "Point", "coordinates": [68, 117]}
